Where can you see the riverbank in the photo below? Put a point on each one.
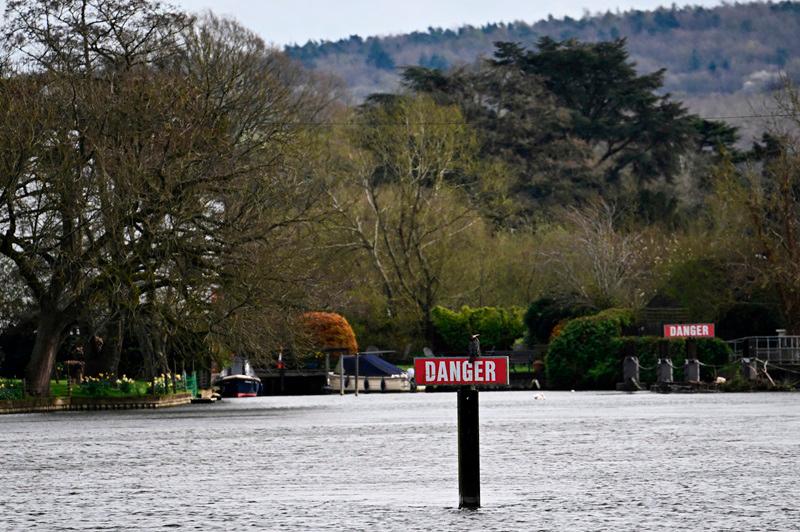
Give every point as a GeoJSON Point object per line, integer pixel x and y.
{"type": "Point", "coordinates": [57, 404]}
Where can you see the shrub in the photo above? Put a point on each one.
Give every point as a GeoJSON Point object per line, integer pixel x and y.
{"type": "Point", "coordinates": [328, 331]}
{"type": "Point", "coordinates": [99, 386]}
{"type": "Point", "coordinates": [10, 389]}
{"type": "Point", "coordinates": [126, 385]}
{"type": "Point", "coordinates": [586, 353]}
{"type": "Point", "coordinates": [498, 327]}
{"type": "Point", "coordinates": [107, 385]}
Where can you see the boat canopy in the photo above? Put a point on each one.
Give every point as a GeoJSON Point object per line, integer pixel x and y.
{"type": "Point", "coordinates": [369, 365]}
{"type": "Point", "coordinates": [239, 366]}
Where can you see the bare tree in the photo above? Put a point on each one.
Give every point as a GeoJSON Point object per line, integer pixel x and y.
{"type": "Point", "coordinates": [597, 263]}
{"type": "Point", "coordinates": [758, 210]}
{"type": "Point", "coordinates": [402, 199]}
{"type": "Point", "coordinates": [146, 158]}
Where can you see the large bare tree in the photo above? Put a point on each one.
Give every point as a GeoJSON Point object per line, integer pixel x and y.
{"type": "Point", "coordinates": [145, 158]}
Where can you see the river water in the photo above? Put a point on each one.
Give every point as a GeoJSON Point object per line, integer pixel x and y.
{"type": "Point", "coordinates": [574, 461]}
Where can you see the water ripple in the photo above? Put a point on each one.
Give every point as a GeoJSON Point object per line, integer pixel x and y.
{"type": "Point", "coordinates": [581, 461]}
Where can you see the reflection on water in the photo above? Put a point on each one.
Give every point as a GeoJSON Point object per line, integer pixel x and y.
{"type": "Point", "coordinates": [580, 461]}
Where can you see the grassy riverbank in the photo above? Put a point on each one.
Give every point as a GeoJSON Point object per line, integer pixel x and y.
{"type": "Point", "coordinates": [109, 387]}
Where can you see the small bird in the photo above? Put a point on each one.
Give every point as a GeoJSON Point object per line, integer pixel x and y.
{"type": "Point", "coordinates": [474, 347]}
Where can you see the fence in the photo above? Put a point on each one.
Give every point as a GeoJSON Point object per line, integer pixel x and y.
{"type": "Point", "coordinates": [190, 383]}
{"type": "Point", "coordinates": [165, 384]}
{"type": "Point", "coordinates": [772, 349]}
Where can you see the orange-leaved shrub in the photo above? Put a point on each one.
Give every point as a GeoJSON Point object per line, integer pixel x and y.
{"type": "Point", "coordinates": [329, 331]}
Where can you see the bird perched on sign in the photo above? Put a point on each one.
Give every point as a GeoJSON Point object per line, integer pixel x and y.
{"type": "Point", "coordinates": [474, 347]}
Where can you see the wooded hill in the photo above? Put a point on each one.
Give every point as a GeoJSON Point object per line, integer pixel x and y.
{"type": "Point", "coordinates": [717, 60]}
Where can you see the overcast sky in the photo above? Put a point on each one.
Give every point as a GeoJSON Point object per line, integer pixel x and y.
{"type": "Point", "coordinates": [297, 21]}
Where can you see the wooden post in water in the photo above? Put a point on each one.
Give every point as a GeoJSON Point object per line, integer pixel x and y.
{"type": "Point", "coordinates": [469, 476]}
{"type": "Point", "coordinates": [356, 374]}
{"type": "Point", "coordinates": [341, 374]}
{"type": "Point", "coordinates": [749, 369]}
{"type": "Point", "coordinates": [327, 364]}
{"type": "Point", "coordinates": [630, 370]}
{"type": "Point", "coordinates": [282, 370]}
{"type": "Point", "coordinates": [630, 366]}
{"type": "Point", "coordinates": [465, 373]}
{"type": "Point", "coordinates": [691, 370]}
{"type": "Point", "coordinates": [469, 456]}
{"type": "Point", "coordinates": [664, 371]}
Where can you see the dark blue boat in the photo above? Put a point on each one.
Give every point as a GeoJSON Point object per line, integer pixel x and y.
{"type": "Point", "coordinates": [238, 380]}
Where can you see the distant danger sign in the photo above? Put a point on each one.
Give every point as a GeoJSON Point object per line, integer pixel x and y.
{"type": "Point", "coordinates": [460, 371]}
{"type": "Point", "coordinates": [698, 330]}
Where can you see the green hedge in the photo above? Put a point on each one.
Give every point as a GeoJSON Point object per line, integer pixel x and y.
{"type": "Point", "coordinates": [586, 354]}
{"type": "Point", "coordinates": [498, 327]}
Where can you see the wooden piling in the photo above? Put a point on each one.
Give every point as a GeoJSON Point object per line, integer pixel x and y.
{"type": "Point", "coordinates": [469, 482]}
{"type": "Point", "coordinates": [356, 374]}
{"type": "Point", "coordinates": [341, 374]}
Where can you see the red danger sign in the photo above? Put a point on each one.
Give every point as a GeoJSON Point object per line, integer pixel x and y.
{"type": "Point", "coordinates": [460, 371]}
{"type": "Point", "coordinates": [699, 330]}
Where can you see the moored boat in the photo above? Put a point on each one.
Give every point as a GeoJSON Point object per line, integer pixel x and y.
{"type": "Point", "coordinates": [374, 375]}
{"type": "Point", "coordinates": [238, 380]}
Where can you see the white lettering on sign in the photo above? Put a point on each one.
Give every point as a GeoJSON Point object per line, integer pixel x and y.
{"type": "Point", "coordinates": [490, 367]}
{"type": "Point", "coordinates": [466, 372]}
{"type": "Point", "coordinates": [430, 370]}
{"type": "Point", "coordinates": [442, 376]}
{"type": "Point", "coordinates": [458, 371]}
{"type": "Point", "coordinates": [455, 371]}
{"type": "Point", "coordinates": [700, 330]}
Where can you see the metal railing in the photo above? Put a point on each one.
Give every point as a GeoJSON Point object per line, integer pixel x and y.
{"type": "Point", "coordinates": [190, 383]}
{"type": "Point", "coordinates": [773, 349]}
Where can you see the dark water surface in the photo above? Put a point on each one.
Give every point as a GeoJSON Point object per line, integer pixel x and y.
{"type": "Point", "coordinates": [575, 461]}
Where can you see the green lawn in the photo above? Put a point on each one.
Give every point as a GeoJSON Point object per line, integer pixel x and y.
{"type": "Point", "coordinates": [59, 389]}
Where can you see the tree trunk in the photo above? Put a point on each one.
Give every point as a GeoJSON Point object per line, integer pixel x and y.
{"type": "Point", "coordinates": [106, 358]}
{"type": "Point", "coordinates": [112, 348]}
{"type": "Point", "coordinates": [145, 341]}
{"type": "Point", "coordinates": [428, 330]}
{"type": "Point", "coordinates": [48, 339]}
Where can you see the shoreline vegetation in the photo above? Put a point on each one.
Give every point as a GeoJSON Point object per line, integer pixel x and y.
{"type": "Point", "coordinates": [103, 387]}
{"type": "Point", "coordinates": [176, 193]}
{"type": "Point", "coordinates": [104, 392]}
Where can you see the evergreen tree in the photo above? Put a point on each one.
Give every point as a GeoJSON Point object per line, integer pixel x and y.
{"type": "Point", "coordinates": [378, 57]}
{"type": "Point", "coordinates": [574, 119]}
